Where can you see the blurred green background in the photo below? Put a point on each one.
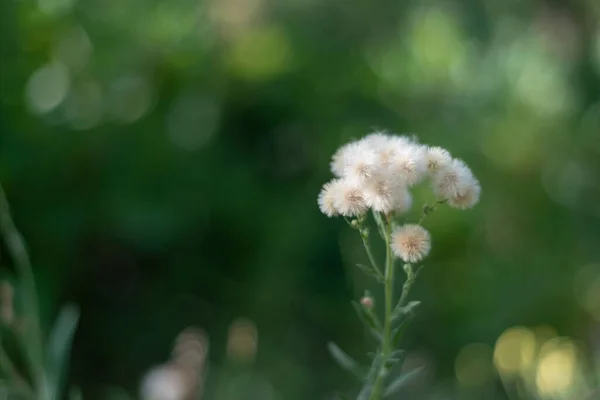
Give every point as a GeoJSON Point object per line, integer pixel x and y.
{"type": "Point", "coordinates": [163, 160]}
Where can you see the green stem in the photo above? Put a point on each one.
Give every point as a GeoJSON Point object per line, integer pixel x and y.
{"type": "Point", "coordinates": [410, 280]}
{"type": "Point", "coordinates": [386, 345]}
{"type": "Point", "coordinates": [18, 252]}
{"type": "Point", "coordinates": [365, 239]}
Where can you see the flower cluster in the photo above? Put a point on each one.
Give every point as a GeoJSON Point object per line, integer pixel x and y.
{"type": "Point", "coordinates": [376, 173]}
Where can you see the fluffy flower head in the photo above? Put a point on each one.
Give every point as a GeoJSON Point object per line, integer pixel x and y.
{"type": "Point", "coordinates": [450, 180]}
{"type": "Point", "coordinates": [326, 199]}
{"type": "Point", "coordinates": [348, 197]}
{"type": "Point", "coordinates": [411, 243]}
{"type": "Point", "coordinates": [410, 163]}
{"type": "Point", "coordinates": [437, 158]}
{"type": "Point", "coordinates": [467, 195]}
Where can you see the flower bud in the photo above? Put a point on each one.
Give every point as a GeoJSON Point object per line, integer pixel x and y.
{"type": "Point", "coordinates": [367, 302]}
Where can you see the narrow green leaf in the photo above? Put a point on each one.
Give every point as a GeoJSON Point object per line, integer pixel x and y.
{"type": "Point", "coordinates": [399, 331]}
{"type": "Point", "coordinates": [366, 316]}
{"type": "Point", "coordinates": [376, 335]}
{"type": "Point", "coordinates": [369, 271]}
{"type": "Point", "coordinates": [59, 348]}
{"type": "Point", "coordinates": [401, 381]}
{"type": "Point", "coordinates": [407, 310]}
{"type": "Point", "coordinates": [345, 361]}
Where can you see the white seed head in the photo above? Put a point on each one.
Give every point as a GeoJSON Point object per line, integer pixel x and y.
{"type": "Point", "coordinates": [411, 243]}
{"type": "Point", "coordinates": [361, 162]}
{"type": "Point", "coordinates": [437, 158]}
{"type": "Point", "coordinates": [164, 383]}
{"type": "Point", "coordinates": [410, 163]}
{"type": "Point", "coordinates": [402, 200]}
{"type": "Point", "coordinates": [448, 181]}
{"type": "Point", "coordinates": [348, 198]}
{"type": "Point", "coordinates": [379, 194]}
{"type": "Point", "coordinates": [377, 140]}
{"type": "Point", "coordinates": [338, 161]}
{"type": "Point", "coordinates": [467, 196]}
{"type": "Point", "coordinates": [326, 199]}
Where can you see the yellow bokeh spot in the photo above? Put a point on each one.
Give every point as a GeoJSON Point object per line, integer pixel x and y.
{"type": "Point", "coordinates": [515, 350]}
{"type": "Point", "coordinates": [436, 45]}
{"type": "Point", "coordinates": [473, 365]}
{"type": "Point", "coordinates": [242, 341]}
{"type": "Point", "coordinates": [260, 53]}
{"type": "Point", "coordinates": [556, 367]}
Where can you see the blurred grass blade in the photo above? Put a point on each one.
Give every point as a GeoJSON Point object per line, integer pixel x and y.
{"type": "Point", "coordinates": [345, 361]}
{"type": "Point", "coordinates": [59, 348]}
{"type": "Point", "coordinates": [401, 381]}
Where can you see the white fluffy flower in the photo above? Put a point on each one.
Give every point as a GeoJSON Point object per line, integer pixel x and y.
{"type": "Point", "coordinates": [411, 243]}
{"type": "Point", "coordinates": [164, 383]}
{"type": "Point", "coordinates": [356, 160]}
{"type": "Point", "coordinates": [360, 162]}
{"type": "Point", "coordinates": [448, 181]}
{"type": "Point", "coordinates": [410, 163]}
{"type": "Point", "coordinates": [326, 199]}
{"type": "Point", "coordinates": [379, 194]}
{"type": "Point", "coordinates": [467, 195]}
{"type": "Point", "coordinates": [348, 197]}
{"type": "Point", "coordinates": [338, 161]}
{"type": "Point", "coordinates": [437, 158]}
{"type": "Point", "coordinates": [377, 140]}
{"type": "Point", "coordinates": [402, 200]}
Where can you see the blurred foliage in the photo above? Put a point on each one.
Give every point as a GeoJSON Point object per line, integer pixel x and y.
{"type": "Point", "coordinates": [163, 159]}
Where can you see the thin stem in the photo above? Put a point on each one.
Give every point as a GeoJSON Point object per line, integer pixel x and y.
{"type": "Point", "coordinates": [410, 280]}
{"type": "Point", "coordinates": [428, 209]}
{"type": "Point", "coordinates": [386, 345]}
{"type": "Point", "coordinates": [18, 252]}
{"type": "Point", "coordinates": [367, 246]}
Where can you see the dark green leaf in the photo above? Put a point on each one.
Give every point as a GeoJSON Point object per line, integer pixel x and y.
{"type": "Point", "coordinates": [59, 348]}
{"type": "Point", "coordinates": [401, 381]}
{"type": "Point", "coordinates": [345, 361]}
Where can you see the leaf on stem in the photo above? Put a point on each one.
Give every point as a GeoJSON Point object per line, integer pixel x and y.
{"type": "Point", "coordinates": [370, 271]}
{"type": "Point", "coordinates": [399, 331]}
{"type": "Point", "coordinates": [406, 311]}
{"type": "Point", "coordinates": [401, 381]}
{"type": "Point", "coordinates": [367, 316]}
{"type": "Point", "coordinates": [59, 348]}
{"type": "Point", "coordinates": [345, 361]}
{"type": "Point", "coordinates": [396, 356]}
